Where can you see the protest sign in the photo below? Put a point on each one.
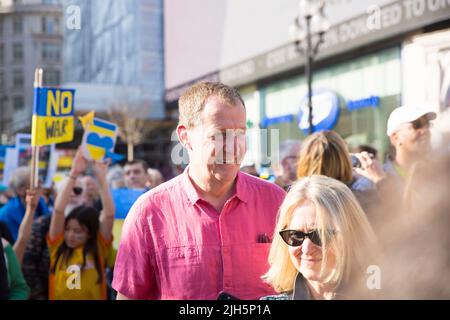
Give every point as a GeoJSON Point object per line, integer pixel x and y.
{"type": "Point", "coordinates": [21, 154]}
{"type": "Point", "coordinates": [52, 116]}
{"type": "Point", "coordinates": [99, 138]}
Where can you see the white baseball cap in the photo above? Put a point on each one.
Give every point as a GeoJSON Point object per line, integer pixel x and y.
{"type": "Point", "coordinates": [406, 114]}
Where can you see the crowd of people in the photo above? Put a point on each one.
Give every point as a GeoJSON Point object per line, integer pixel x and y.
{"type": "Point", "coordinates": [329, 216]}
{"type": "Point", "coordinates": [77, 223]}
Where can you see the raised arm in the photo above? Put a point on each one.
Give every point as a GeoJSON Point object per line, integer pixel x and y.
{"type": "Point", "coordinates": [107, 214]}
{"type": "Point", "coordinates": [32, 200]}
{"type": "Point", "coordinates": [370, 168]}
{"type": "Point", "coordinates": [62, 199]}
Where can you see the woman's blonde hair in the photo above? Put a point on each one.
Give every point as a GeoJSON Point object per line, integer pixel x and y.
{"type": "Point", "coordinates": [338, 211]}
{"type": "Point", "coordinates": [325, 153]}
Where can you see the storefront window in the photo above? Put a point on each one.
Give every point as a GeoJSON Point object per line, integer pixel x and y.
{"type": "Point", "coordinates": [376, 75]}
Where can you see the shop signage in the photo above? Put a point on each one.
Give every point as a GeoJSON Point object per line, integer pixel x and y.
{"type": "Point", "coordinates": [372, 101]}
{"type": "Point", "coordinates": [271, 121]}
{"type": "Point", "coordinates": [378, 23]}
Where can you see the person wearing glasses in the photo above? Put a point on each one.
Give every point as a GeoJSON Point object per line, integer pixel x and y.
{"type": "Point", "coordinates": [80, 242]}
{"type": "Point", "coordinates": [408, 129]}
{"type": "Point", "coordinates": [322, 242]}
{"type": "Point", "coordinates": [36, 258]}
{"type": "Point", "coordinates": [285, 168]}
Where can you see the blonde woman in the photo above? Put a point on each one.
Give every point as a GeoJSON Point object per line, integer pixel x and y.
{"type": "Point", "coordinates": [322, 241]}
{"type": "Point", "coordinates": [326, 153]}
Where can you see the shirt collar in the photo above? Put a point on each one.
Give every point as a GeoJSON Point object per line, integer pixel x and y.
{"type": "Point", "coordinates": [241, 190]}
{"type": "Point", "coordinates": [301, 291]}
{"type": "Point", "coordinates": [189, 188]}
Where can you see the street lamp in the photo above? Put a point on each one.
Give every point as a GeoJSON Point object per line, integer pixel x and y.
{"type": "Point", "coordinates": [310, 23]}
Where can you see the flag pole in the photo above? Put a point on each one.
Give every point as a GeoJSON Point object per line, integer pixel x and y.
{"type": "Point", "coordinates": [34, 181]}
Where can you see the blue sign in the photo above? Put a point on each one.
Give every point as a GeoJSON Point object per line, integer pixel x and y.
{"type": "Point", "coordinates": [271, 121]}
{"type": "Point", "coordinates": [372, 101]}
{"type": "Point", "coordinates": [325, 111]}
{"type": "Point", "coordinates": [53, 102]}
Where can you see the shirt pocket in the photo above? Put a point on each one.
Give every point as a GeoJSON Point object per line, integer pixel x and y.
{"type": "Point", "coordinates": [183, 256]}
{"type": "Point", "coordinates": [181, 273]}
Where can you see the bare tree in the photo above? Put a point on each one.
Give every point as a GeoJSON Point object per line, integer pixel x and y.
{"type": "Point", "coordinates": [131, 123]}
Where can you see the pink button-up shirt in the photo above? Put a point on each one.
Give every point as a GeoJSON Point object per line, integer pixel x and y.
{"type": "Point", "coordinates": [176, 245]}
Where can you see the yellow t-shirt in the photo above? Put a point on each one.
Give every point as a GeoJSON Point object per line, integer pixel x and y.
{"type": "Point", "coordinates": [69, 282]}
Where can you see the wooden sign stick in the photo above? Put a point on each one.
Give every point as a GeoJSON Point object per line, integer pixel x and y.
{"type": "Point", "coordinates": [34, 181]}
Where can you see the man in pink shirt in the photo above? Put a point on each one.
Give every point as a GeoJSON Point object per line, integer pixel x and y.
{"type": "Point", "coordinates": [207, 230]}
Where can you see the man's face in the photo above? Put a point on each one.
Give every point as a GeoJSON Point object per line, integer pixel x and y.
{"type": "Point", "coordinates": [289, 163]}
{"type": "Point", "coordinates": [217, 144]}
{"type": "Point", "coordinates": [135, 176]}
{"type": "Point", "coordinates": [413, 137]}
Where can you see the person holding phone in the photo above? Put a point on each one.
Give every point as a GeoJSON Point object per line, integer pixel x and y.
{"type": "Point", "coordinates": [326, 153]}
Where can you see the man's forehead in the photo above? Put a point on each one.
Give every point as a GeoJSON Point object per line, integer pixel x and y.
{"type": "Point", "coordinates": [224, 117]}
{"type": "Point", "coordinates": [216, 106]}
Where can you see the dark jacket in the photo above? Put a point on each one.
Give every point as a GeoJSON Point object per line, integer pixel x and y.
{"type": "Point", "coordinates": [300, 292]}
{"type": "Point", "coordinates": [4, 287]}
{"type": "Point", "coordinates": [36, 259]}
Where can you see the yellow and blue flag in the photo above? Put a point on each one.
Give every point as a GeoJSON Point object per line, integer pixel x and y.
{"type": "Point", "coordinates": [53, 112]}
{"type": "Point", "coordinates": [99, 138]}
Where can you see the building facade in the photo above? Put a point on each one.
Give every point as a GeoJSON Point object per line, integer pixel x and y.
{"type": "Point", "coordinates": [115, 55]}
{"type": "Point", "coordinates": [31, 36]}
{"type": "Point", "coordinates": [376, 56]}
{"type": "Point", "coordinates": [113, 58]}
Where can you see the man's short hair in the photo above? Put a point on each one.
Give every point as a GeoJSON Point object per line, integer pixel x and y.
{"type": "Point", "coordinates": [143, 163]}
{"type": "Point", "coordinates": [193, 100]}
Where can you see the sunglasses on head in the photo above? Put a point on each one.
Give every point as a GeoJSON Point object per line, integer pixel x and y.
{"type": "Point", "coordinates": [295, 238]}
{"type": "Point", "coordinates": [77, 190]}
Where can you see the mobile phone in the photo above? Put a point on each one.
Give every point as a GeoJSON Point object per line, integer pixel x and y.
{"type": "Point", "coordinates": [355, 161]}
{"type": "Point", "coordinates": [226, 296]}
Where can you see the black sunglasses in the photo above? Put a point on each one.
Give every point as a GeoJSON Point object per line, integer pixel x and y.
{"type": "Point", "coordinates": [77, 190]}
{"type": "Point", "coordinates": [295, 238]}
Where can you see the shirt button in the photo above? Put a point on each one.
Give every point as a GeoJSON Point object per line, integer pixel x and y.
{"type": "Point", "coordinates": [226, 250]}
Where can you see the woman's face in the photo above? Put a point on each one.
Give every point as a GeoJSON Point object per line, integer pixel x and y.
{"type": "Point", "coordinates": [307, 258]}
{"type": "Point", "coordinates": [75, 235]}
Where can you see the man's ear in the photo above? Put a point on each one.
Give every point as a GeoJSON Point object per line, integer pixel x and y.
{"type": "Point", "coordinates": [182, 134]}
